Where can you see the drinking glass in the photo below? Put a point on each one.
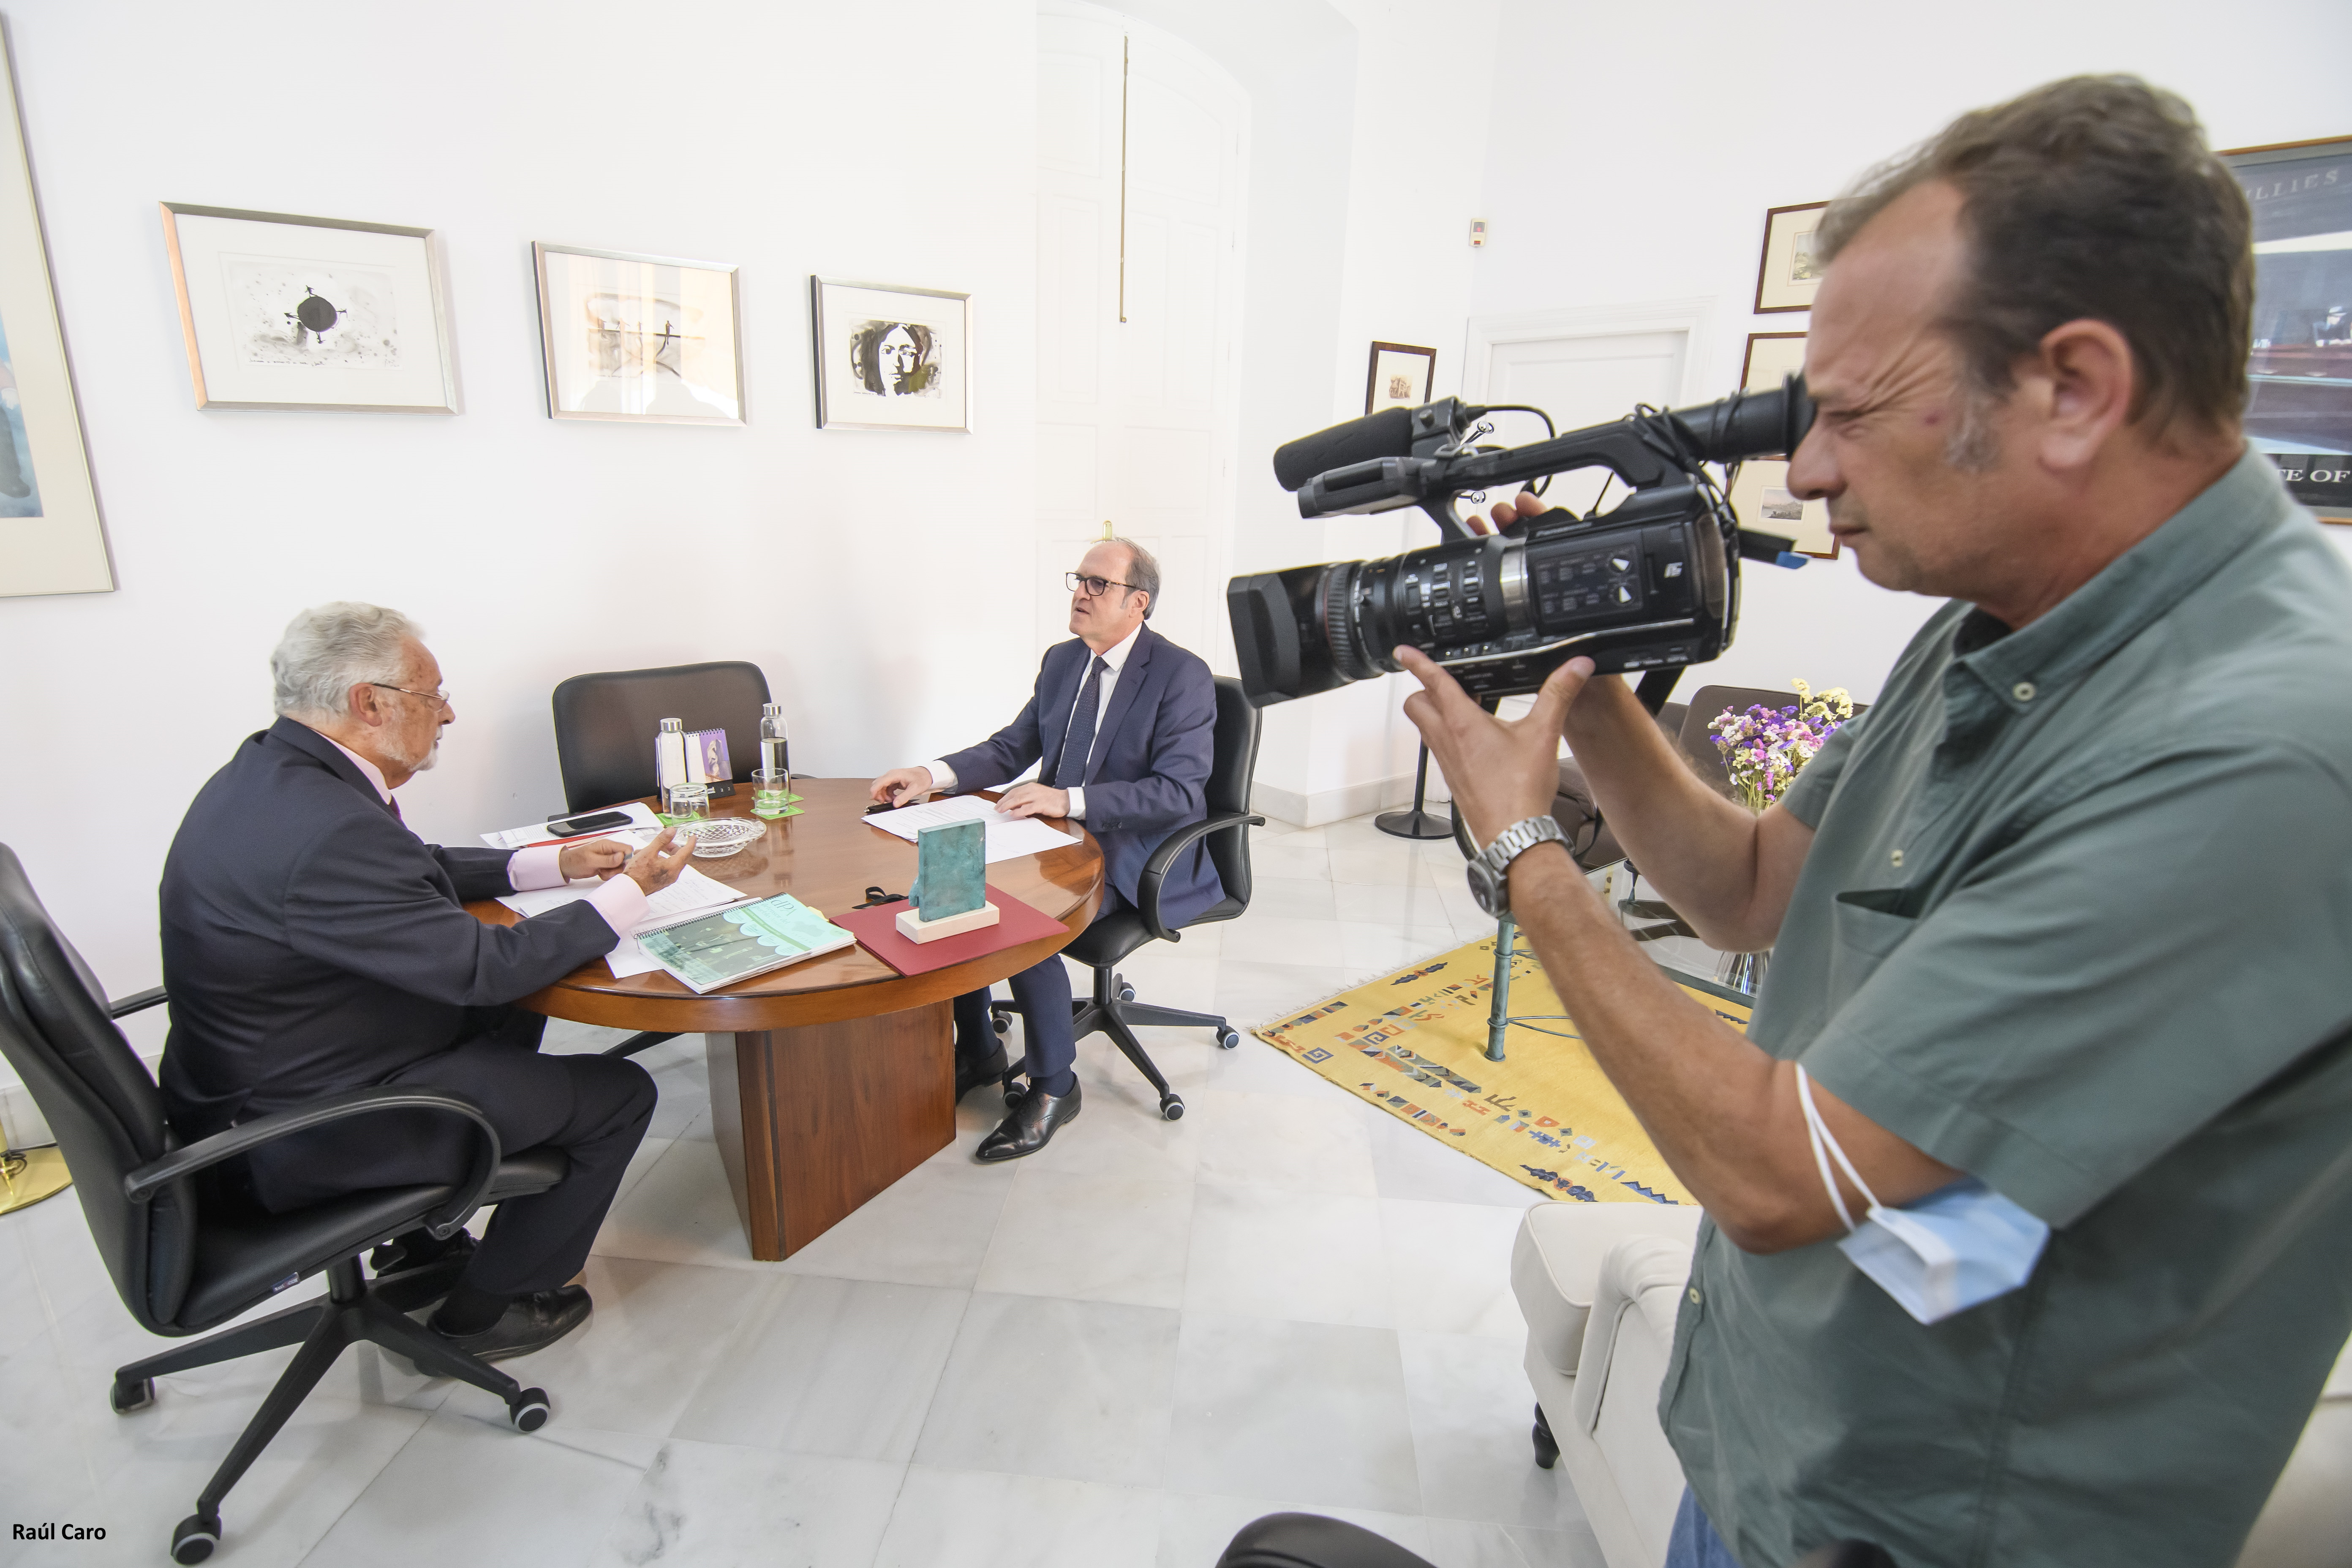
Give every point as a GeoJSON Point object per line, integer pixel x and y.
{"type": "Point", "coordinates": [770, 792]}
{"type": "Point", "coordinates": [685, 802]}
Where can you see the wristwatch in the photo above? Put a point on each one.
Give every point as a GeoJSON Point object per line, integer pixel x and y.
{"type": "Point", "coordinates": [1490, 869]}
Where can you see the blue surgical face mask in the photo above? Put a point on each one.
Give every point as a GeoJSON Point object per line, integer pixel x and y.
{"type": "Point", "coordinates": [1958, 1245]}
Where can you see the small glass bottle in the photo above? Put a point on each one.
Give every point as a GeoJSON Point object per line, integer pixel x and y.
{"type": "Point", "coordinates": [670, 760]}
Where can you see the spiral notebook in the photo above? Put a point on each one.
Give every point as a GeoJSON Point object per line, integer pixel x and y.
{"type": "Point", "coordinates": [708, 953]}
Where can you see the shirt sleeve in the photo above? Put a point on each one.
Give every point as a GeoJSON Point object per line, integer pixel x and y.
{"type": "Point", "coordinates": [2094, 992]}
{"type": "Point", "coordinates": [1077, 803]}
{"type": "Point", "coordinates": [943, 777]}
{"type": "Point", "coordinates": [622, 903]}
{"type": "Point", "coordinates": [536, 867]}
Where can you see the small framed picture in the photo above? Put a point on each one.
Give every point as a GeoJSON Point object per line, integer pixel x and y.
{"type": "Point", "coordinates": [2299, 377]}
{"type": "Point", "coordinates": [890, 358]}
{"type": "Point", "coordinates": [310, 312]}
{"type": "Point", "coordinates": [639, 337]}
{"type": "Point", "coordinates": [1759, 496]}
{"type": "Point", "coordinates": [52, 538]}
{"type": "Point", "coordinates": [1787, 277]}
{"type": "Point", "coordinates": [1399, 377]}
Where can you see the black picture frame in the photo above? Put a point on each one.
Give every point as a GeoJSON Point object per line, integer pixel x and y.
{"type": "Point", "coordinates": [2299, 408]}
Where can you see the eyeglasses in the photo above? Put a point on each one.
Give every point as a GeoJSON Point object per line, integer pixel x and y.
{"type": "Point", "coordinates": [1094, 586]}
{"type": "Point", "coordinates": [438, 699]}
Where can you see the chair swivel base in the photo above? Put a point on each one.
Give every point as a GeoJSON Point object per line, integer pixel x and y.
{"type": "Point", "coordinates": [1113, 1010]}
{"type": "Point", "coordinates": [353, 1311]}
{"type": "Point", "coordinates": [28, 1175]}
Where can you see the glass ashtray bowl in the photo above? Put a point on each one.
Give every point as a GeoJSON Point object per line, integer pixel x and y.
{"type": "Point", "coordinates": [721, 836]}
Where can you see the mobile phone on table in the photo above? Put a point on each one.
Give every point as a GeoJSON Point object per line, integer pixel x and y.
{"type": "Point", "coordinates": [594, 822]}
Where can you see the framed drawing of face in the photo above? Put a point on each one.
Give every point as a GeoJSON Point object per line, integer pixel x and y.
{"type": "Point", "coordinates": [1399, 377]}
{"type": "Point", "coordinates": [1759, 496]}
{"type": "Point", "coordinates": [891, 358]}
{"type": "Point", "coordinates": [1786, 278]}
{"type": "Point", "coordinates": [639, 337]}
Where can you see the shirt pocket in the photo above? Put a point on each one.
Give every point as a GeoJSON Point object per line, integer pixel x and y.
{"type": "Point", "coordinates": [1866, 927]}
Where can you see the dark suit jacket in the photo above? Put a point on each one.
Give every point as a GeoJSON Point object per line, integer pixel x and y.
{"type": "Point", "coordinates": [1150, 759]}
{"type": "Point", "coordinates": [312, 944]}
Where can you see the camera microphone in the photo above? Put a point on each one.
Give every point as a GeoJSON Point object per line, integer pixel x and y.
{"type": "Point", "coordinates": [1390, 433]}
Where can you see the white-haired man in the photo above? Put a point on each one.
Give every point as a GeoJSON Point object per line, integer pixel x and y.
{"type": "Point", "coordinates": [313, 944]}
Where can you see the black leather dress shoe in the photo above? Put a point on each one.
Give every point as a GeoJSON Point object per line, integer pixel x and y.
{"type": "Point", "coordinates": [1031, 1126]}
{"type": "Point", "coordinates": [530, 1323]}
{"type": "Point", "coordinates": [973, 1071]}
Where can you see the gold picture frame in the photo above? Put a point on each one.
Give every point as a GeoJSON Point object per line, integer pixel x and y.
{"type": "Point", "coordinates": [1786, 276]}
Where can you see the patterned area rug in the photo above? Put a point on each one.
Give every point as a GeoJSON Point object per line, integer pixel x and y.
{"type": "Point", "coordinates": [1414, 1044]}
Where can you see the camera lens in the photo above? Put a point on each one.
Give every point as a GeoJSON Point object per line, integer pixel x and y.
{"type": "Point", "coordinates": [1345, 601]}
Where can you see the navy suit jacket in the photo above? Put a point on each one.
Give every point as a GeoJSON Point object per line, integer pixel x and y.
{"type": "Point", "coordinates": [1151, 761]}
{"type": "Point", "coordinates": [312, 944]}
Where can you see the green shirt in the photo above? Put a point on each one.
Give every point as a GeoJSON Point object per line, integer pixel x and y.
{"type": "Point", "coordinates": [2077, 920]}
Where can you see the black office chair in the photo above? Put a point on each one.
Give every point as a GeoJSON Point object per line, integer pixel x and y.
{"type": "Point", "coordinates": [1113, 1009]}
{"type": "Point", "coordinates": [605, 724]}
{"type": "Point", "coordinates": [186, 1253]}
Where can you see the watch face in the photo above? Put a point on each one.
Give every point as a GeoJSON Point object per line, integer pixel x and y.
{"type": "Point", "coordinates": [1487, 888]}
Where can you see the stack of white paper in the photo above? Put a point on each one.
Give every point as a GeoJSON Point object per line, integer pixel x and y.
{"type": "Point", "coordinates": [1006, 835]}
{"type": "Point", "coordinates": [692, 894]}
{"type": "Point", "coordinates": [641, 820]}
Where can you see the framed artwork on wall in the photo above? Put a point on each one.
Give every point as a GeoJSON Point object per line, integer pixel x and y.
{"type": "Point", "coordinates": [890, 358]}
{"type": "Point", "coordinates": [1786, 279]}
{"type": "Point", "coordinates": [2299, 408]}
{"type": "Point", "coordinates": [1400, 376]}
{"type": "Point", "coordinates": [1759, 496]}
{"type": "Point", "coordinates": [51, 539]}
{"type": "Point", "coordinates": [649, 338]}
{"type": "Point", "coordinates": [310, 312]}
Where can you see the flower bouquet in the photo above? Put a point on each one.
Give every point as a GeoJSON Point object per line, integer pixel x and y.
{"type": "Point", "coordinates": [1764, 748]}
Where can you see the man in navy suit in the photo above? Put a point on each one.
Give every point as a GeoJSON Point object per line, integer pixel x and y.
{"type": "Point", "coordinates": [1124, 723]}
{"type": "Point", "coordinates": [313, 944]}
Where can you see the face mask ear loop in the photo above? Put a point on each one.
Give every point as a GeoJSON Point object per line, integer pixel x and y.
{"type": "Point", "coordinates": [1817, 1131]}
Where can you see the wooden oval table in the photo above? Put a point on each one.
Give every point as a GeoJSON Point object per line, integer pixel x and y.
{"type": "Point", "coordinates": [831, 1078]}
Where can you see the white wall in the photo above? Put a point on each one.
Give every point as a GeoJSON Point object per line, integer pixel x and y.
{"type": "Point", "coordinates": [892, 143]}
{"type": "Point", "coordinates": [1634, 151]}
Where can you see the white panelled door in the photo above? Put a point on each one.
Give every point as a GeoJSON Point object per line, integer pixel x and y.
{"type": "Point", "coordinates": [1579, 380]}
{"type": "Point", "coordinates": [1137, 419]}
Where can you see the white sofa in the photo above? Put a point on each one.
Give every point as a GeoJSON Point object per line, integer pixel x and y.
{"type": "Point", "coordinates": [1599, 1285]}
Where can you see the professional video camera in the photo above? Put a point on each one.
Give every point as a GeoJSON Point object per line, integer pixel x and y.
{"type": "Point", "coordinates": [1651, 585]}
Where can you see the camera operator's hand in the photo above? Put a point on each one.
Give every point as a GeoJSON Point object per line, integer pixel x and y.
{"type": "Point", "coordinates": [658, 865]}
{"type": "Point", "coordinates": [1033, 799]}
{"type": "Point", "coordinates": [1524, 504]}
{"type": "Point", "coordinates": [1500, 770]}
{"type": "Point", "coordinates": [900, 785]}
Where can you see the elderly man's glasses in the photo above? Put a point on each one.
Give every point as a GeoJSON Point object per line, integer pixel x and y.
{"type": "Point", "coordinates": [1092, 586]}
{"type": "Point", "coordinates": [438, 699]}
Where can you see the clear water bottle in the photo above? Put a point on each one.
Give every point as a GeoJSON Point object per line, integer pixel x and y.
{"type": "Point", "coordinates": [670, 760]}
{"type": "Point", "coordinates": [772, 786]}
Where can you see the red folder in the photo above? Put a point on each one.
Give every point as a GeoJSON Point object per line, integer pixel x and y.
{"type": "Point", "coordinates": [876, 931]}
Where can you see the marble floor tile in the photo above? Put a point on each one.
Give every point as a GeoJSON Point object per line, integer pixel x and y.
{"type": "Point", "coordinates": [1276, 939]}
{"type": "Point", "coordinates": [1314, 1411]}
{"type": "Point", "coordinates": [1450, 1267]}
{"type": "Point", "coordinates": [977, 1518]}
{"type": "Point", "coordinates": [1091, 1237]}
{"type": "Point", "coordinates": [1040, 1386]}
{"type": "Point", "coordinates": [679, 1211]}
{"type": "Point", "coordinates": [1253, 1066]}
{"type": "Point", "coordinates": [1119, 1133]}
{"type": "Point", "coordinates": [1308, 1257]}
{"type": "Point", "coordinates": [1410, 1163]}
{"type": "Point", "coordinates": [931, 1227]}
{"type": "Point", "coordinates": [1284, 1141]}
{"type": "Point", "coordinates": [1375, 950]}
{"type": "Point", "coordinates": [1472, 1410]}
{"type": "Point", "coordinates": [1397, 905]}
{"type": "Point", "coordinates": [658, 1331]}
{"type": "Point", "coordinates": [707, 1503]}
{"type": "Point", "coordinates": [1304, 896]}
{"type": "Point", "coordinates": [1252, 991]}
{"type": "Point", "coordinates": [842, 1367]}
{"type": "Point", "coordinates": [641, 1160]}
{"type": "Point", "coordinates": [466, 1489]}
{"type": "Point", "coordinates": [1195, 1530]}
{"type": "Point", "coordinates": [1395, 866]}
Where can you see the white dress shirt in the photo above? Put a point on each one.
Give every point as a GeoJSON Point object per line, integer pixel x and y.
{"type": "Point", "coordinates": [620, 901]}
{"type": "Point", "coordinates": [1115, 656]}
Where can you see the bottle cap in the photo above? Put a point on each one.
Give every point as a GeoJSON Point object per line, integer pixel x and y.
{"type": "Point", "coordinates": [671, 726]}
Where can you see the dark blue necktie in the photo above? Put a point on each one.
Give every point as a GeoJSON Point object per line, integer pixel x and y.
{"type": "Point", "coordinates": [1079, 744]}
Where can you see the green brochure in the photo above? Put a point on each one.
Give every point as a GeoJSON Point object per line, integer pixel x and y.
{"type": "Point", "coordinates": [715, 949]}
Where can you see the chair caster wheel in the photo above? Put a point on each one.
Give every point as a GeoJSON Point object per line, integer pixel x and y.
{"type": "Point", "coordinates": [127, 1397]}
{"type": "Point", "coordinates": [1000, 1023]}
{"type": "Point", "coordinates": [1014, 1093]}
{"type": "Point", "coordinates": [194, 1537]}
{"type": "Point", "coordinates": [1126, 992]}
{"type": "Point", "coordinates": [1171, 1109]}
{"type": "Point", "coordinates": [1229, 1039]}
{"type": "Point", "coordinates": [1547, 1446]}
{"type": "Point", "coordinates": [528, 1412]}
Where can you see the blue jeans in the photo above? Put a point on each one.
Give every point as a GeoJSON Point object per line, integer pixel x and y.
{"type": "Point", "coordinates": [1694, 1544]}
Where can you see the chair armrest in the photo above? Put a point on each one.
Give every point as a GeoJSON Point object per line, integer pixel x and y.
{"type": "Point", "coordinates": [125, 1006]}
{"type": "Point", "coordinates": [1155, 870]}
{"type": "Point", "coordinates": [141, 1185]}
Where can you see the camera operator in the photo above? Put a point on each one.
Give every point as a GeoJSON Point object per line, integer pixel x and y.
{"type": "Point", "coordinates": [2067, 912]}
